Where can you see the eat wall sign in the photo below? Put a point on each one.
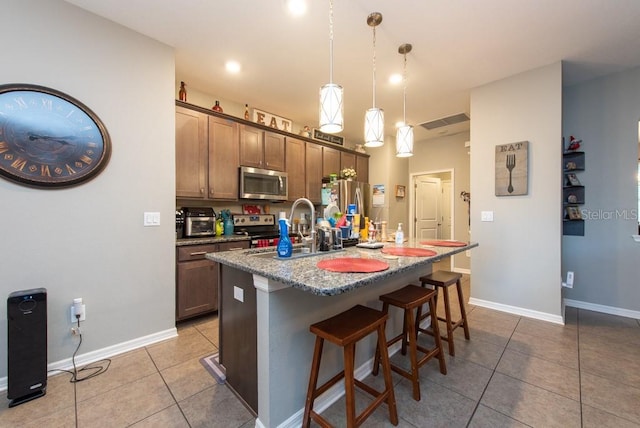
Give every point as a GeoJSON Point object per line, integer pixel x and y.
{"type": "Point", "coordinates": [271, 120]}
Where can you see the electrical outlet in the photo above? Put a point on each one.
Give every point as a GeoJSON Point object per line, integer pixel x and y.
{"type": "Point", "coordinates": [78, 308]}
{"type": "Point", "coordinates": [570, 279]}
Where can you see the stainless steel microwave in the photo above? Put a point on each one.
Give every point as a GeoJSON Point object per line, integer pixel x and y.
{"type": "Point", "coordinates": [256, 183]}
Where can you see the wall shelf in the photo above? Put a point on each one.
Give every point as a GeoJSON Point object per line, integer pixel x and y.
{"type": "Point", "coordinates": [573, 193]}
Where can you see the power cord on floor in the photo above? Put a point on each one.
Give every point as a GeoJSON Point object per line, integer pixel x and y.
{"type": "Point", "coordinates": [98, 370]}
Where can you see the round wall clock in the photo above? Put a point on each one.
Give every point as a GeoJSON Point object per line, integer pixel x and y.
{"type": "Point", "coordinates": [49, 139]}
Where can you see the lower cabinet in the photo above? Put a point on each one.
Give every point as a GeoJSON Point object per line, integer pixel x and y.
{"type": "Point", "coordinates": [197, 278]}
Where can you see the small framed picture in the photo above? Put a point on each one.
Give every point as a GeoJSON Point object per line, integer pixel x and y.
{"type": "Point", "coordinates": [400, 191]}
{"type": "Point", "coordinates": [572, 180]}
{"type": "Point", "coordinates": [573, 213]}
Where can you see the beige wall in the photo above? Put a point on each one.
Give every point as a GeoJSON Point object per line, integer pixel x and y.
{"type": "Point", "coordinates": [89, 241]}
{"type": "Point", "coordinates": [517, 265]}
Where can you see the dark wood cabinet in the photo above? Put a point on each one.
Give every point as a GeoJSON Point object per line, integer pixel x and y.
{"type": "Point", "coordinates": [295, 167]}
{"type": "Point", "coordinates": [223, 159]}
{"type": "Point", "coordinates": [196, 282]}
{"type": "Point", "coordinates": [261, 149]}
{"type": "Point", "coordinates": [313, 166]}
{"type": "Point", "coordinates": [191, 153]}
{"type": "Point", "coordinates": [362, 168]}
{"type": "Point", "coordinates": [238, 333]}
{"type": "Point", "coordinates": [330, 161]}
{"type": "Point", "coordinates": [347, 160]}
{"type": "Point", "coordinates": [197, 278]}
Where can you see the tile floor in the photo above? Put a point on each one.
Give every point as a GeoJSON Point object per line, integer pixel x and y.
{"type": "Point", "coordinates": [514, 372]}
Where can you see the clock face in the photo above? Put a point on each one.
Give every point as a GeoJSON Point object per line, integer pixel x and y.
{"type": "Point", "coordinates": [49, 139]}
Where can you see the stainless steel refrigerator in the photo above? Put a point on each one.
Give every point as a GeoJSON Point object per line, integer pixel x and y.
{"type": "Point", "coordinates": [344, 193]}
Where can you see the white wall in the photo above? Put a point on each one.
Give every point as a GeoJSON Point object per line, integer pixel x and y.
{"type": "Point", "coordinates": [88, 241]}
{"type": "Point", "coordinates": [604, 113]}
{"type": "Point", "coordinates": [517, 265]}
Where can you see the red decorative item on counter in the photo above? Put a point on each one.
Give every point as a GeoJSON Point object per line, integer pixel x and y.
{"type": "Point", "coordinates": [408, 251]}
{"type": "Point", "coordinates": [353, 264]}
{"type": "Point", "coordinates": [444, 243]}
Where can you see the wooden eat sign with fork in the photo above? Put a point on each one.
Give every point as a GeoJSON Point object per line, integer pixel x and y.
{"type": "Point", "coordinates": [511, 169]}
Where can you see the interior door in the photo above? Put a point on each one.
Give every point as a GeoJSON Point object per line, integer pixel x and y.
{"type": "Point", "coordinates": [427, 216]}
{"type": "Point", "coordinates": [445, 227]}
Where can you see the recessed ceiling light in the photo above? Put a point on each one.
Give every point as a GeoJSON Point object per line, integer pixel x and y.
{"type": "Point", "coordinates": [297, 7]}
{"type": "Point", "coordinates": [232, 67]}
{"type": "Point", "coordinates": [395, 79]}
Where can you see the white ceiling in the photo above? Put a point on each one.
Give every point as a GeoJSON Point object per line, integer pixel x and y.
{"type": "Point", "coordinates": [457, 45]}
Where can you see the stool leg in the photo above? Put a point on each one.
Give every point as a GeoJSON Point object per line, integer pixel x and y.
{"type": "Point", "coordinates": [403, 349]}
{"type": "Point", "coordinates": [349, 384]}
{"type": "Point", "coordinates": [376, 360]}
{"type": "Point", "coordinates": [313, 381]}
{"type": "Point", "coordinates": [411, 336]}
{"type": "Point", "coordinates": [463, 311]}
{"type": "Point", "coordinates": [447, 312]}
{"type": "Point", "coordinates": [436, 336]}
{"type": "Point", "coordinates": [388, 382]}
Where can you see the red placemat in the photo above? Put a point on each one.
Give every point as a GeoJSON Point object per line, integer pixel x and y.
{"type": "Point", "coordinates": [408, 251]}
{"type": "Point", "coordinates": [444, 243]}
{"type": "Point", "coordinates": [353, 264]}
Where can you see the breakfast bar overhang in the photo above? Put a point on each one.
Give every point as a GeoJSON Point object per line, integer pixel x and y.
{"type": "Point", "coordinates": [292, 294]}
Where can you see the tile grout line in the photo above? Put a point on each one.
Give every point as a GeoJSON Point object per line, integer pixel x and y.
{"type": "Point", "coordinates": [579, 366]}
{"type": "Point", "coordinates": [491, 377]}
{"type": "Point", "coordinates": [168, 389]}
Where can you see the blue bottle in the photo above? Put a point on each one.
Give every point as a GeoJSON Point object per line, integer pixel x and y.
{"type": "Point", "coordinates": [285, 247]}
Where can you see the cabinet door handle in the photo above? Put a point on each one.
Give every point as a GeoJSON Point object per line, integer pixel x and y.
{"type": "Point", "coordinates": [235, 249]}
{"type": "Point", "coordinates": [198, 253]}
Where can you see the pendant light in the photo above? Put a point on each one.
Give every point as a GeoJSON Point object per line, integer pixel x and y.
{"type": "Point", "coordinates": [404, 136]}
{"type": "Point", "coordinates": [374, 117]}
{"type": "Point", "coordinates": [331, 108]}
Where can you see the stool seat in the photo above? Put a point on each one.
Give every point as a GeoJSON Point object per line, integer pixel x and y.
{"type": "Point", "coordinates": [346, 329]}
{"type": "Point", "coordinates": [442, 279]}
{"type": "Point", "coordinates": [411, 298]}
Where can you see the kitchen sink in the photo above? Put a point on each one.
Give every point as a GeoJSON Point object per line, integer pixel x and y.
{"type": "Point", "coordinates": [297, 253]}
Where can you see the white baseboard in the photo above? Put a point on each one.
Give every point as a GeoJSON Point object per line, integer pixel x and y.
{"type": "Point", "coordinates": [557, 319]}
{"type": "Point", "coordinates": [101, 354]}
{"type": "Point", "coordinates": [602, 308]}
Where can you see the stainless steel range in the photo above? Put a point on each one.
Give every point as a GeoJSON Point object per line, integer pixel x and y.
{"type": "Point", "coordinates": [261, 228]}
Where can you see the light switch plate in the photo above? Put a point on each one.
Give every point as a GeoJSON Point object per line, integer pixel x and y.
{"type": "Point", "coordinates": [486, 216]}
{"type": "Point", "coordinates": [151, 218]}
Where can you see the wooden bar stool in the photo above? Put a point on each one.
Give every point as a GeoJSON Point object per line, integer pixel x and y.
{"type": "Point", "coordinates": [411, 298]}
{"type": "Point", "coordinates": [345, 330]}
{"type": "Point", "coordinates": [443, 279]}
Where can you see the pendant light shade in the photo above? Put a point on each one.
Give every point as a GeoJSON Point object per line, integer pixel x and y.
{"type": "Point", "coordinates": [374, 127]}
{"type": "Point", "coordinates": [374, 117]}
{"type": "Point", "coordinates": [331, 94]}
{"type": "Point", "coordinates": [331, 108]}
{"type": "Point", "coordinates": [404, 135]}
{"type": "Point", "coordinates": [404, 141]}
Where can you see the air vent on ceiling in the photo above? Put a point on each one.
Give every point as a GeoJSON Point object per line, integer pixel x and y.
{"type": "Point", "coordinates": [445, 121]}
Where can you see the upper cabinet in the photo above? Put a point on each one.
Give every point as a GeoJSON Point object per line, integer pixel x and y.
{"type": "Point", "coordinates": [295, 166]}
{"type": "Point", "coordinates": [261, 149]}
{"type": "Point", "coordinates": [210, 148]}
{"type": "Point", "coordinates": [191, 153]}
{"type": "Point", "coordinates": [330, 161]}
{"type": "Point", "coordinates": [362, 168]}
{"type": "Point", "coordinates": [313, 165]}
{"type": "Point", "coordinates": [223, 158]}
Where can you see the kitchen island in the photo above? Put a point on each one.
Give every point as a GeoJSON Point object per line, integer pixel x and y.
{"type": "Point", "coordinates": [275, 301]}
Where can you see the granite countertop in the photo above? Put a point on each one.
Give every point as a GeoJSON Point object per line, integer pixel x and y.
{"type": "Point", "coordinates": [303, 273]}
{"type": "Point", "coordinates": [211, 240]}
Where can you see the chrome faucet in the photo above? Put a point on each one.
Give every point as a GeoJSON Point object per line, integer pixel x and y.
{"type": "Point", "coordinates": [312, 230]}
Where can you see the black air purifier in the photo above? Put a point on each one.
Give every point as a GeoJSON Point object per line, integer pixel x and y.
{"type": "Point", "coordinates": [27, 345]}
